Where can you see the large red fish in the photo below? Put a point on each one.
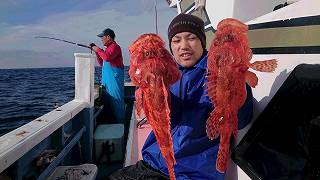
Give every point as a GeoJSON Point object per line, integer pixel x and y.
{"type": "Point", "coordinates": [228, 63]}
{"type": "Point", "coordinates": [153, 70]}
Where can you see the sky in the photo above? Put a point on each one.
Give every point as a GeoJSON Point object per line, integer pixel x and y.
{"type": "Point", "coordinates": [73, 20]}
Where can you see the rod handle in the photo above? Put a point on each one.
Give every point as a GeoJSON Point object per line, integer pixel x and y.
{"type": "Point", "coordinates": [84, 46]}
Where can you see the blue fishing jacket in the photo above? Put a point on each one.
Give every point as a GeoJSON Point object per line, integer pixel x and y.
{"type": "Point", "coordinates": [190, 108]}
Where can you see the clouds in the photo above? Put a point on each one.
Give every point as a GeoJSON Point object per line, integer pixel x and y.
{"type": "Point", "coordinates": [128, 18]}
{"type": "Point", "coordinates": [26, 11]}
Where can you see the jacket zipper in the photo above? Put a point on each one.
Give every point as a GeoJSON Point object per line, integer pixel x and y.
{"type": "Point", "coordinates": [181, 95]}
{"type": "Point", "coordinates": [180, 86]}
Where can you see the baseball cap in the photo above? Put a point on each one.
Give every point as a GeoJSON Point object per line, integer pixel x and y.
{"type": "Point", "coordinates": [106, 32]}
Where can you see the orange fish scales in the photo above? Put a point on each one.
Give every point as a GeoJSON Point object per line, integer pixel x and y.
{"type": "Point", "coordinates": [228, 63]}
{"type": "Point", "coordinates": [153, 70]}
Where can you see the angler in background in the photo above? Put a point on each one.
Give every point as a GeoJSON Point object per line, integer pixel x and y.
{"type": "Point", "coordinates": [112, 75]}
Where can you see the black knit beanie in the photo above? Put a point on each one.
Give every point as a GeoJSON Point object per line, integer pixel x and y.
{"type": "Point", "coordinates": [187, 23]}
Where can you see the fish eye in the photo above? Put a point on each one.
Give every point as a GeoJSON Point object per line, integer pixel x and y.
{"type": "Point", "coordinates": [147, 54]}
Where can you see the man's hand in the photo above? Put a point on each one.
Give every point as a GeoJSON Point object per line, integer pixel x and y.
{"type": "Point", "coordinates": [93, 47]}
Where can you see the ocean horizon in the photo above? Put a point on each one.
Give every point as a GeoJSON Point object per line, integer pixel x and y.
{"type": "Point", "coordinates": [28, 93]}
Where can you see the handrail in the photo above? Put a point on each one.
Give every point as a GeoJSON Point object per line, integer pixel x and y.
{"type": "Point", "coordinates": [98, 111]}
{"type": "Point", "coordinates": [18, 142]}
{"type": "Point", "coordinates": [62, 154]}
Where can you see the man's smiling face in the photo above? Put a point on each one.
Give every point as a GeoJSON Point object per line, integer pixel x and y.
{"type": "Point", "coordinates": [186, 48]}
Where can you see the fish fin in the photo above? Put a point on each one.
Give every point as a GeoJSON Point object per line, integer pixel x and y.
{"type": "Point", "coordinates": [251, 79]}
{"type": "Point", "coordinates": [166, 100]}
{"type": "Point", "coordinates": [139, 104]}
{"type": "Point", "coordinates": [264, 66]}
{"type": "Point", "coordinates": [213, 125]}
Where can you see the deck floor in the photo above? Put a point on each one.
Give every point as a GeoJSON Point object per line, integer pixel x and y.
{"type": "Point", "coordinates": [104, 170]}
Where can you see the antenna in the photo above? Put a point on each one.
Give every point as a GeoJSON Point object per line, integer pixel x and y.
{"type": "Point", "coordinates": [149, 6]}
{"type": "Point", "coordinates": [156, 12]}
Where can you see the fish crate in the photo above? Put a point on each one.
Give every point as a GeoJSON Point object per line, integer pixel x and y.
{"type": "Point", "coordinates": [81, 172]}
{"type": "Point", "coordinates": [108, 141]}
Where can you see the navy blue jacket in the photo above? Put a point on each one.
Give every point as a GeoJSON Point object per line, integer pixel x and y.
{"type": "Point", "coordinates": [190, 108]}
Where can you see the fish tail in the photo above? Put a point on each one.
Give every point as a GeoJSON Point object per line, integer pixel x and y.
{"type": "Point", "coordinates": [168, 151]}
{"type": "Point", "coordinates": [170, 161]}
{"type": "Point", "coordinates": [223, 152]}
{"type": "Point", "coordinates": [171, 173]}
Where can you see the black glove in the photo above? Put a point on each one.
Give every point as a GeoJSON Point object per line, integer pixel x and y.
{"type": "Point", "coordinates": [92, 44]}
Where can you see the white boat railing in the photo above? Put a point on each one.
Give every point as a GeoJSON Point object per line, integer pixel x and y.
{"type": "Point", "coordinates": [18, 142]}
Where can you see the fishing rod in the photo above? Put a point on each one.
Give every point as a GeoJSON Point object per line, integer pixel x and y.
{"type": "Point", "coordinates": [62, 40]}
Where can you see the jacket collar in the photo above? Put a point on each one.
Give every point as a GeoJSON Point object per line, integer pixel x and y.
{"type": "Point", "coordinates": [110, 42]}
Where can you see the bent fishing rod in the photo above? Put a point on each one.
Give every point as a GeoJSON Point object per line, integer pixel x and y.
{"type": "Point", "coordinates": [62, 40]}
